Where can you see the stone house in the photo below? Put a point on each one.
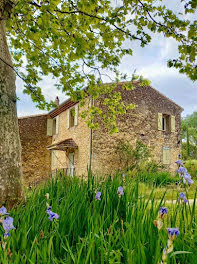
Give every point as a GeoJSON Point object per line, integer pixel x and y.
{"type": "Point", "coordinates": [36, 159]}
{"type": "Point", "coordinates": [156, 121]}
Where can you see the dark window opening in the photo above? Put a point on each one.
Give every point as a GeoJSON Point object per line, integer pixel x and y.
{"type": "Point", "coordinates": [54, 126]}
{"type": "Point", "coordinates": [166, 123]}
{"type": "Point", "coordinates": [72, 117]}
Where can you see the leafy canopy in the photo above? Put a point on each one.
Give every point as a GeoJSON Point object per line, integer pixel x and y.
{"type": "Point", "coordinates": [78, 41]}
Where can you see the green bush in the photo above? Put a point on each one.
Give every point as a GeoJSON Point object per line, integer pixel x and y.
{"type": "Point", "coordinates": [112, 230]}
{"type": "Point", "coordinates": [191, 166]}
{"type": "Point", "coordinates": [132, 157]}
{"type": "Point", "coordinates": [157, 178]}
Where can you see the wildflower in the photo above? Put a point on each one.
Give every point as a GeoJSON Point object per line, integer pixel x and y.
{"type": "Point", "coordinates": [120, 191]}
{"type": "Point", "coordinates": [182, 170]}
{"type": "Point", "coordinates": [179, 162]}
{"type": "Point", "coordinates": [183, 173]}
{"type": "Point", "coordinates": [190, 181]}
{"type": "Point", "coordinates": [41, 234]}
{"type": "Point", "coordinates": [164, 255]}
{"type": "Point", "coordinates": [173, 233]}
{"type": "Point", "coordinates": [162, 212]}
{"type": "Point", "coordinates": [51, 214]}
{"type": "Point", "coordinates": [8, 225]}
{"type": "Point", "coordinates": [3, 211]}
{"type": "Point", "coordinates": [159, 221]}
{"type": "Point", "coordinates": [98, 196]}
{"type": "Point", "coordinates": [187, 178]}
{"type": "Point", "coordinates": [183, 197]}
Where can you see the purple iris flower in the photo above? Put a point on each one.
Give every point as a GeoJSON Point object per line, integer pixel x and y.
{"type": "Point", "coordinates": [8, 225]}
{"type": "Point", "coordinates": [187, 178]}
{"type": "Point", "coordinates": [190, 181]}
{"type": "Point", "coordinates": [163, 210]}
{"type": "Point", "coordinates": [183, 197]}
{"type": "Point", "coordinates": [173, 232]}
{"type": "Point", "coordinates": [179, 156]}
{"type": "Point", "coordinates": [179, 162]}
{"type": "Point", "coordinates": [51, 214]}
{"type": "Point", "coordinates": [3, 211]}
{"type": "Point", "coordinates": [120, 190]}
{"type": "Point", "coordinates": [182, 170]}
{"type": "Point", "coordinates": [98, 196]}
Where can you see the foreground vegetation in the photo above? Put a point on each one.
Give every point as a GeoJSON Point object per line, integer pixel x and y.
{"type": "Point", "coordinates": [115, 229]}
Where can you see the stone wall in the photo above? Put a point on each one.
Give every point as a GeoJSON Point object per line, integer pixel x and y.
{"type": "Point", "coordinates": [141, 124]}
{"type": "Point", "coordinates": [80, 135]}
{"type": "Point", "coordinates": [36, 160]}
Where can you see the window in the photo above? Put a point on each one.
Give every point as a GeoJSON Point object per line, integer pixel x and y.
{"type": "Point", "coordinates": [166, 122]}
{"type": "Point", "coordinates": [56, 125]}
{"type": "Point", "coordinates": [71, 166]}
{"type": "Point", "coordinates": [166, 156]}
{"type": "Point", "coordinates": [72, 117]}
{"type": "Point", "coordinates": [163, 123]}
{"type": "Point", "coordinates": [52, 126]}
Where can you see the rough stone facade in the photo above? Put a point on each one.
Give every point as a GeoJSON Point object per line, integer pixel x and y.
{"type": "Point", "coordinates": [79, 133]}
{"type": "Point", "coordinates": [140, 123]}
{"type": "Point", "coordinates": [67, 145]}
{"type": "Point", "coordinates": [36, 159]}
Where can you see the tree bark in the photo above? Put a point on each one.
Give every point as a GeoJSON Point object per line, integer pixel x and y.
{"type": "Point", "coordinates": [11, 187]}
{"type": "Point", "coordinates": [188, 144]}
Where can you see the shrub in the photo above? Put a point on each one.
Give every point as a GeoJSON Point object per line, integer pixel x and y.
{"type": "Point", "coordinates": [132, 157]}
{"type": "Point", "coordinates": [157, 178]}
{"type": "Point", "coordinates": [191, 166]}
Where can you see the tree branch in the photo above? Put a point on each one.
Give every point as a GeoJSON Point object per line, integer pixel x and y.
{"type": "Point", "coordinates": [23, 79]}
{"type": "Point", "coordinates": [92, 16]}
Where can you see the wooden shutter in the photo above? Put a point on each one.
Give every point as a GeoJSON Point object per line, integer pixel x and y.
{"type": "Point", "coordinates": [57, 125]}
{"type": "Point", "coordinates": [68, 118]}
{"type": "Point", "coordinates": [160, 121]}
{"type": "Point", "coordinates": [53, 157]}
{"type": "Point", "coordinates": [166, 156]}
{"type": "Point", "coordinates": [173, 127]}
{"type": "Point", "coordinates": [76, 114]}
{"type": "Point", "coordinates": [49, 127]}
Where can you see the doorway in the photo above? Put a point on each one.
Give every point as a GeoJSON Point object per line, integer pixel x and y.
{"type": "Point", "coordinates": [71, 164]}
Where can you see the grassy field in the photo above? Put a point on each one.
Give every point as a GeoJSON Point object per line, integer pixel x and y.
{"type": "Point", "coordinates": [170, 191]}
{"type": "Point", "coordinates": [111, 230]}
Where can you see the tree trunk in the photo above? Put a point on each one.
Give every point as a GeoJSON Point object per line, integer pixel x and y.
{"type": "Point", "coordinates": [11, 187]}
{"type": "Point", "coordinates": [188, 144]}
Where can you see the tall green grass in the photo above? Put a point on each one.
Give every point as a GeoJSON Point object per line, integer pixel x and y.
{"type": "Point", "coordinates": [113, 230]}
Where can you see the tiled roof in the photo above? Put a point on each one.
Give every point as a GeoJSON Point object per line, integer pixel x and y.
{"type": "Point", "coordinates": [63, 145]}
{"type": "Point", "coordinates": [68, 103]}
{"type": "Point", "coordinates": [62, 107]}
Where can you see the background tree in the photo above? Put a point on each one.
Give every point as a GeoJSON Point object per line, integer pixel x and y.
{"type": "Point", "coordinates": [189, 136]}
{"type": "Point", "coordinates": [76, 41]}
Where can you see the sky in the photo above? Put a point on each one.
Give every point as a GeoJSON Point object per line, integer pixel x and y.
{"type": "Point", "coordinates": [150, 61]}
